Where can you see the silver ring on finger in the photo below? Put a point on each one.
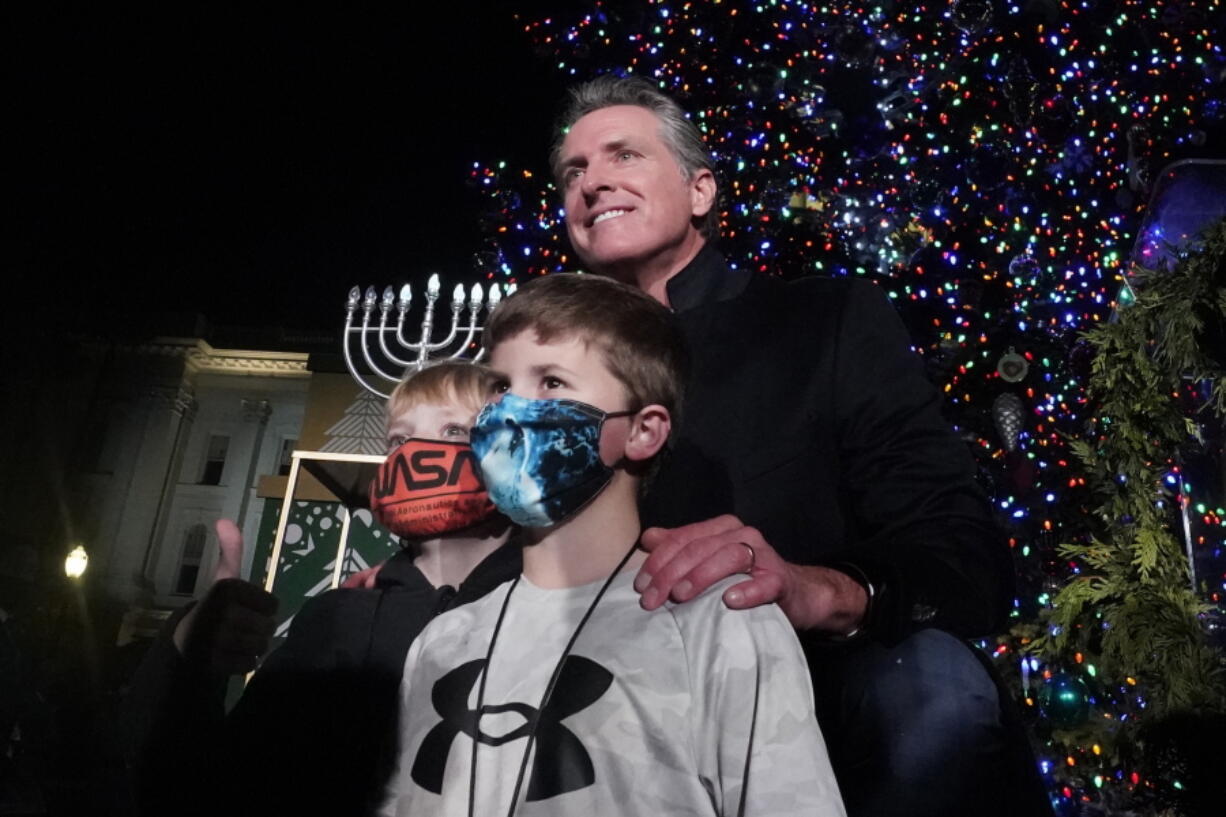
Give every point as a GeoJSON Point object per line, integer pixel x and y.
{"type": "Point", "coordinates": [753, 558]}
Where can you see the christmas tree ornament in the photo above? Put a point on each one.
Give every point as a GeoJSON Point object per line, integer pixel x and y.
{"type": "Point", "coordinates": [1012, 367]}
{"type": "Point", "coordinates": [1064, 700]}
{"type": "Point", "coordinates": [971, 15]}
{"type": "Point", "coordinates": [1024, 267]}
{"type": "Point", "coordinates": [807, 101]}
{"type": "Point", "coordinates": [854, 46]}
{"type": "Point", "coordinates": [1007, 413]}
{"type": "Point", "coordinates": [900, 244]}
{"type": "Point", "coordinates": [924, 191]}
{"type": "Point", "coordinates": [1022, 91]}
{"type": "Point", "coordinates": [809, 107]}
{"type": "Point", "coordinates": [895, 105]}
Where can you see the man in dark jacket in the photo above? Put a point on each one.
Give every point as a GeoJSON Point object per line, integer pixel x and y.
{"type": "Point", "coordinates": [812, 456]}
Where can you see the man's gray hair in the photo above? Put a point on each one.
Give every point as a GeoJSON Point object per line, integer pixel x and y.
{"type": "Point", "coordinates": [683, 138]}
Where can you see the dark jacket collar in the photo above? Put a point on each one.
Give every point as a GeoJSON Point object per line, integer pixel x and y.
{"type": "Point", "coordinates": [399, 571]}
{"type": "Point", "coordinates": [502, 565]}
{"type": "Point", "coordinates": [706, 279]}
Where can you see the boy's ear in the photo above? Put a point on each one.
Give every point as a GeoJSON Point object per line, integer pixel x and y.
{"type": "Point", "coordinates": [648, 433]}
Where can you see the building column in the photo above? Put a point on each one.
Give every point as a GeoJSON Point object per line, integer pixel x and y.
{"type": "Point", "coordinates": [259, 411]}
{"type": "Point", "coordinates": [183, 409]}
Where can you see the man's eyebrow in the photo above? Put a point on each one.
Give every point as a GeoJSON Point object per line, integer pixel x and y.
{"type": "Point", "coordinates": [611, 146]}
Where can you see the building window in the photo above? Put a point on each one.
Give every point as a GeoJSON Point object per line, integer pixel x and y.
{"type": "Point", "coordinates": [189, 563]}
{"type": "Point", "coordinates": [215, 459]}
{"type": "Point", "coordinates": [286, 458]}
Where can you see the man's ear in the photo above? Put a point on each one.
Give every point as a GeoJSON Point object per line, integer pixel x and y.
{"type": "Point", "coordinates": [648, 432]}
{"type": "Point", "coordinates": [702, 192]}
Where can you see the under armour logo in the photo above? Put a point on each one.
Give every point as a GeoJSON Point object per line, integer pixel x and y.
{"type": "Point", "coordinates": [560, 764]}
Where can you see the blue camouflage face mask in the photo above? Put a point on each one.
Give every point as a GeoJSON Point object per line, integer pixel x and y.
{"type": "Point", "coordinates": [541, 458]}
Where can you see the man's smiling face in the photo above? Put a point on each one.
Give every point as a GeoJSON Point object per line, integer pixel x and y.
{"type": "Point", "coordinates": [628, 202]}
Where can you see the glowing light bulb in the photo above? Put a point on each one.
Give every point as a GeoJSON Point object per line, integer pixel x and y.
{"type": "Point", "coordinates": [77, 561]}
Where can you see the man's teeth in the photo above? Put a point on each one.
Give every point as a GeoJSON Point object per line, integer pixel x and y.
{"type": "Point", "coordinates": [608, 214]}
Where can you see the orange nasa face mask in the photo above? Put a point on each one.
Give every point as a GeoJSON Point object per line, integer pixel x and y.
{"type": "Point", "coordinates": [427, 488]}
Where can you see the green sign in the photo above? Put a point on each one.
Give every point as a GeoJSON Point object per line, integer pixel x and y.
{"type": "Point", "coordinates": [308, 554]}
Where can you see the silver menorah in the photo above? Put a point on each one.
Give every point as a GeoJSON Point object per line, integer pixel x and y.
{"type": "Point", "coordinates": [378, 337]}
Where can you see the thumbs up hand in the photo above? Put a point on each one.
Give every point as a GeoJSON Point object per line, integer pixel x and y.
{"type": "Point", "coordinates": [231, 627]}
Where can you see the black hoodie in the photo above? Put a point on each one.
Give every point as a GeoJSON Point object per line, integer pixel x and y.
{"type": "Point", "coordinates": [315, 730]}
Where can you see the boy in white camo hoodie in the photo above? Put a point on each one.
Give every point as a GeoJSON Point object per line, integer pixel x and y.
{"type": "Point", "coordinates": [557, 694]}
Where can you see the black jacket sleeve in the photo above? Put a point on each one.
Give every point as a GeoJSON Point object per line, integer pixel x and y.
{"type": "Point", "coordinates": [169, 727]}
{"type": "Point", "coordinates": [928, 540]}
{"type": "Point", "coordinates": [315, 731]}
{"type": "Point", "coordinates": [315, 728]}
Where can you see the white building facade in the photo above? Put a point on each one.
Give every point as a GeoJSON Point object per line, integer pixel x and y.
{"type": "Point", "coordinates": [180, 435]}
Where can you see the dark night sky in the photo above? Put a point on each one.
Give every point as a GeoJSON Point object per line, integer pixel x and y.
{"type": "Point", "coordinates": [252, 166]}
{"type": "Point", "coordinates": [249, 166]}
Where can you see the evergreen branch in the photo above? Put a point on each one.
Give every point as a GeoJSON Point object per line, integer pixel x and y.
{"type": "Point", "coordinates": [1133, 608]}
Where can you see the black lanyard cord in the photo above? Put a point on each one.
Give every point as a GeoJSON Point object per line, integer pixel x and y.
{"type": "Point", "coordinates": [553, 682]}
{"type": "Point", "coordinates": [489, 656]}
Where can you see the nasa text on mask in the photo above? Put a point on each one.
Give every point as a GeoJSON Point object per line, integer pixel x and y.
{"type": "Point", "coordinates": [420, 470]}
{"type": "Point", "coordinates": [429, 487]}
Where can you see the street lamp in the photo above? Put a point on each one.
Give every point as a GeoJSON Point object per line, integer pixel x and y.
{"type": "Point", "coordinates": [77, 561]}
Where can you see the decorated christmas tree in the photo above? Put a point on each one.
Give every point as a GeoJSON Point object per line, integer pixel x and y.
{"type": "Point", "coordinates": [988, 164]}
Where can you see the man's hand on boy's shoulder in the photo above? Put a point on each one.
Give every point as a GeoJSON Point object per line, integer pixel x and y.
{"type": "Point", "coordinates": [232, 626]}
{"type": "Point", "coordinates": [687, 560]}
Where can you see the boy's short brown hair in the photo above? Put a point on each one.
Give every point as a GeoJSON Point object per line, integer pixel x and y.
{"type": "Point", "coordinates": [446, 381]}
{"type": "Point", "coordinates": [638, 337]}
